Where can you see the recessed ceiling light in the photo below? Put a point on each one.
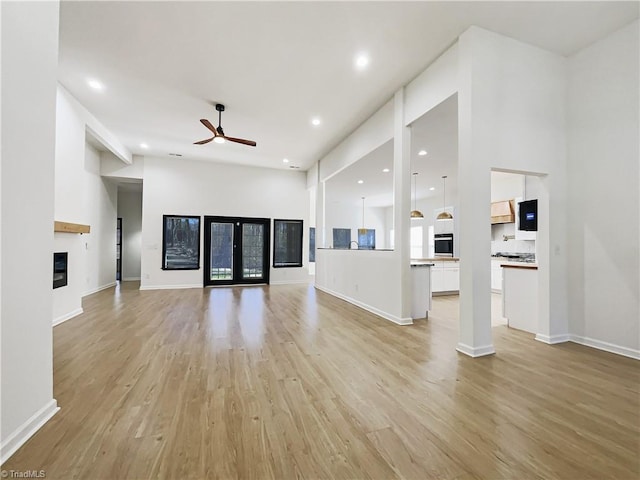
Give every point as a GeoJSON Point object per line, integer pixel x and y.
{"type": "Point", "coordinates": [362, 60]}
{"type": "Point", "coordinates": [385, 170]}
{"type": "Point", "coordinates": [285, 160]}
{"type": "Point", "coordinates": [95, 84]}
{"type": "Point", "coordinates": [315, 121]}
{"type": "Point", "coordinates": [360, 182]}
{"type": "Point", "coordinates": [432, 188]}
{"type": "Point", "coordinates": [422, 153]}
{"type": "Point", "coordinates": [144, 146]}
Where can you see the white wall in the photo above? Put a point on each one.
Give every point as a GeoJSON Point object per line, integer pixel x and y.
{"type": "Point", "coordinates": [82, 196]}
{"type": "Point", "coordinates": [511, 117]}
{"type": "Point", "coordinates": [112, 167]}
{"type": "Point", "coordinates": [360, 277]}
{"type": "Point", "coordinates": [28, 112]}
{"type": "Point", "coordinates": [100, 203]}
{"type": "Point", "coordinates": [374, 132]}
{"type": "Point", "coordinates": [130, 210]}
{"type": "Point", "coordinates": [604, 260]}
{"type": "Point", "coordinates": [188, 187]}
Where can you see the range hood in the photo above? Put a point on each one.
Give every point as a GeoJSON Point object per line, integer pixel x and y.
{"type": "Point", "coordinates": [503, 212]}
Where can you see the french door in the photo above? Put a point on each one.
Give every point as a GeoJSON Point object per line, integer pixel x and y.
{"type": "Point", "coordinates": [236, 250]}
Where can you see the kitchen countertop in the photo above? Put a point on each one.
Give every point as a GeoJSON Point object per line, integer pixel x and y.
{"type": "Point", "coordinates": [530, 265]}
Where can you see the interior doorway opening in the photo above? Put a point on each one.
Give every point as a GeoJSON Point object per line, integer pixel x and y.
{"type": "Point", "coordinates": [119, 250]}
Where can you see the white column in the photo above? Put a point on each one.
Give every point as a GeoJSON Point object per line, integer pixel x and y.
{"type": "Point", "coordinates": [402, 199]}
{"type": "Point", "coordinates": [474, 187]}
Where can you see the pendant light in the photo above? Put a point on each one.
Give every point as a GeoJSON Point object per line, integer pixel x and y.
{"type": "Point", "coordinates": [415, 213]}
{"type": "Point", "coordinates": [444, 215]}
{"type": "Point", "coordinates": [362, 231]}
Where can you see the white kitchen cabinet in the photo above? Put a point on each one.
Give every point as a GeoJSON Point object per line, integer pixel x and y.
{"type": "Point", "coordinates": [520, 297]}
{"type": "Point", "coordinates": [420, 290]}
{"type": "Point", "coordinates": [445, 276]}
{"type": "Point", "coordinates": [496, 275]}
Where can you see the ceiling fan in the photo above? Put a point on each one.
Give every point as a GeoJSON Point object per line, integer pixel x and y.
{"type": "Point", "coordinates": [218, 133]}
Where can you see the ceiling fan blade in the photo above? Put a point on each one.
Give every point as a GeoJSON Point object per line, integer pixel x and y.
{"type": "Point", "coordinates": [207, 124]}
{"type": "Point", "coordinates": [251, 143]}
{"type": "Point", "coordinates": [202, 142]}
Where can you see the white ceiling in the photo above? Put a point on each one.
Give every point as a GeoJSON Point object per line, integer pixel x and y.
{"type": "Point", "coordinates": [276, 64]}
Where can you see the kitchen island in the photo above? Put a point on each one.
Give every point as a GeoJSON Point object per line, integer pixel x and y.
{"type": "Point", "coordinates": [420, 288]}
{"type": "Point", "coordinates": [520, 295]}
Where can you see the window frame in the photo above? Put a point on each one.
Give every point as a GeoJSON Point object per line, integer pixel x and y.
{"type": "Point", "coordinates": [195, 265]}
{"type": "Point", "coordinates": [333, 238]}
{"type": "Point", "coordinates": [366, 232]}
{"type": "Point", "coordinates": [299, 263]}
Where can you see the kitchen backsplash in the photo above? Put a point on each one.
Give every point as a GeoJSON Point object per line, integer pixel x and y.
{"type": "Point", "coordinates": [498, 244]}
{"type": "Point", "coordinates": [513, 246]}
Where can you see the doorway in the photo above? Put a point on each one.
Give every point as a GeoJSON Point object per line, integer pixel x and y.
{"type": "Point", "coordinates": [119, 250]}
{"type": "Point", "coordinates": [236, 250]}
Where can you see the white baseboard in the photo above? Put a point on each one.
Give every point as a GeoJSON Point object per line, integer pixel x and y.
{"type": "Point", "coordinates": [553, 339]}
{"type": "Point", "coordinates": [169, 287]}
{"type": "Point", "coordinates": [369, 308]}
{"type": "Point", "coordinates": [99, 289]}
{"type": "Point", "coordinates": [291, 282]}
{"type": "Point", "coordinates": [606, 346]}
{"type": "Point", "coordinates": [23, 433]}
{"type": "Point", "coordinates": [131, 279]}
{"type": "Point", "coordinates": [67, 316]}
{"type": "Point", "coordinates": [475, 352]}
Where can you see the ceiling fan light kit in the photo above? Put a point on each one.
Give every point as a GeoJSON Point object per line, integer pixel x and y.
{"type": "Point", "coordinates": [218, 132]}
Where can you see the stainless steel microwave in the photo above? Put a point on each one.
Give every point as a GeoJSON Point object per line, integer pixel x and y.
{"type": "Point", "coordinates": [443, 244]}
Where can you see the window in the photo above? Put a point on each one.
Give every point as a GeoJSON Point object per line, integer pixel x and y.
{"type": "Point", "coordinates": [287, 243]}
{"type": "Point", "coordinates": [312, 244]}
{"type": "Point", "coordinates": [180, 242]}
{"type": "Point", "coordinates": [342, 238]}
{"type": "Point", "coordinates": [366, 238]}
{"type": "Point", "coordinates": [416, 242]}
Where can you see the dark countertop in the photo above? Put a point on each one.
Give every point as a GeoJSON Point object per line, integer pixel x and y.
{"type": "Point", "coordinates": [418, 263]}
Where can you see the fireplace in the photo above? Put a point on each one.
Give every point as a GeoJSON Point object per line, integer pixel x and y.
{"type": "Point", "coordinates": [59, 269]}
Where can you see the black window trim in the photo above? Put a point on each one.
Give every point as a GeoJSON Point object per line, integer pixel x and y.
{"type": "Point", "coordinates": [164, 245]}
{"type": "Point", "coordinates": [289, 265]}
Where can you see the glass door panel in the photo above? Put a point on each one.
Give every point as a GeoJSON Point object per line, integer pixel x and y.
{"type": "Point", "coordinates": [236, 250]}
{"type": "Point", "coordinates": [221, 254]}
{"type": "Point", "coordinates": [252, 251]}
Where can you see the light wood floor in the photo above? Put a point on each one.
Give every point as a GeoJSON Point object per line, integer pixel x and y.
{"type": "Point", "coordinates": [287, 382]}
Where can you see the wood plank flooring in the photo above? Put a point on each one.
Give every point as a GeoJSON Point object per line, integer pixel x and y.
{"type": "Point", "coordinates": [287, 382]}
